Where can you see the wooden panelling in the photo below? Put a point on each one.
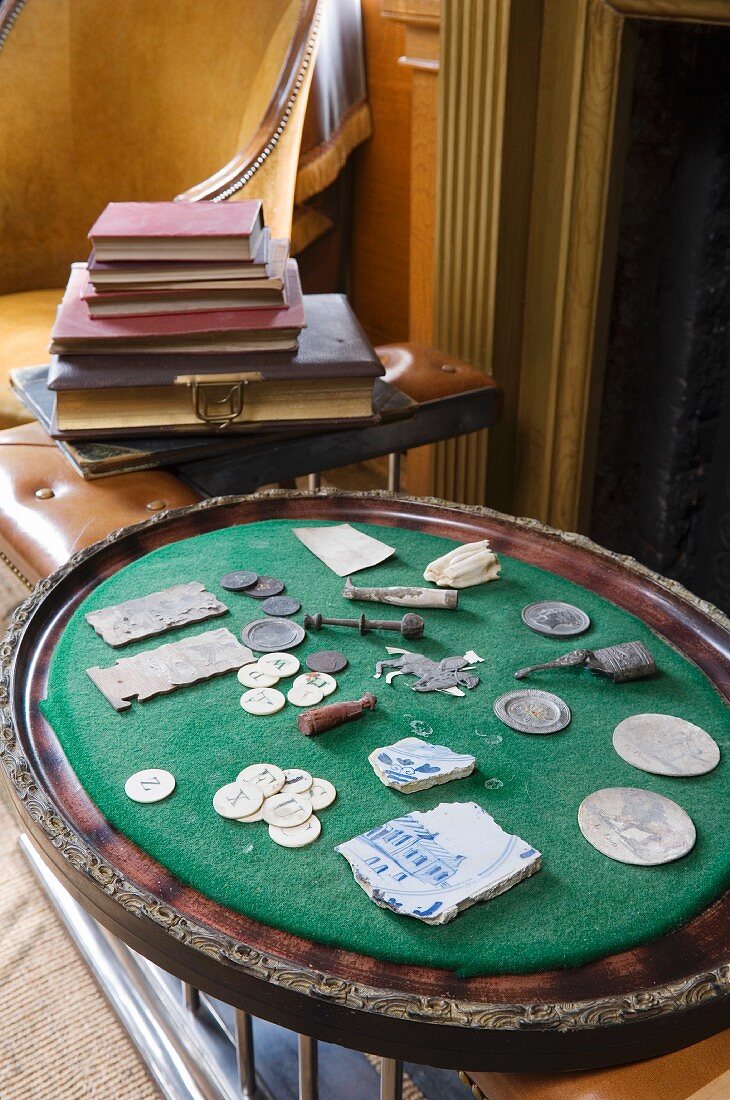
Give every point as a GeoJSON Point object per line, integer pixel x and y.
{"type": "Point", "coordinates": [382, 179]}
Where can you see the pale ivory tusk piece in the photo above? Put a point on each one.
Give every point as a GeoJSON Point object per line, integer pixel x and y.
{"type": "Point", "coordinates": [403, 596]}
{"type": "Point", "coordinates": [473, 563]}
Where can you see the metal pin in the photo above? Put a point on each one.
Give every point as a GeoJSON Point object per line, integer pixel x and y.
{"type": "Point", "coordinates": [394, 472]}
{"type": "Point", "coordinates": [391, 1079]}
{"type": "Point", "coordinates": [410, 626]}
{"type": "Point", "coordinates": [245, 1055]}
{"type": "Point", "coordinates": [192, 997]}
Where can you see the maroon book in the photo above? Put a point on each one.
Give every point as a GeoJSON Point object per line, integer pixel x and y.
{"type": "Point", "coordinates": [152, 273]}
{"type": "Point", "coordinates": [178, 230]}
{"type": "Point", "coordinates": [224, 330]}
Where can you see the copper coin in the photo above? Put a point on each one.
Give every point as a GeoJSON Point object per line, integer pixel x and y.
{"type": "Point", "coordinates": [238, 580]}
{"type": "Point", "coordinates": [327, 660]}
{"type": "Point", "coordinates": [265, 587]}
{"type": "Point", "coordinates": [280, 605]}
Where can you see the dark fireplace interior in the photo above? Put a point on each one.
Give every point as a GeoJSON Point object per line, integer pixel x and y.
{"type": "Point", "coordinates": [662, 482]}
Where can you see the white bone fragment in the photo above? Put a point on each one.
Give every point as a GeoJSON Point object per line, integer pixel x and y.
{"type": "Point", "coordinates": [473, 563]}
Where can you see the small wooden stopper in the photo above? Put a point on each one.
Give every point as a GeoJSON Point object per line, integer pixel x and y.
{"type": "Point", "coordinates": [320, 719]}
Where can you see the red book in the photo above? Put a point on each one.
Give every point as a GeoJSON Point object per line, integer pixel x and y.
{"type": "Point", "coordinates": [178, 231]}
{"type": "Point", "coordinates": [224, 330]}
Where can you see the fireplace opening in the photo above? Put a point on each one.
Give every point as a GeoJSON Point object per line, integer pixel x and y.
{"type": "Point", "coordinates": [662, 476]}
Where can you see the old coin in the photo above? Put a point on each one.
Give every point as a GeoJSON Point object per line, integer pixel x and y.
{"type": "Point", "coordinates": [297, 780]}
{"type": "Point", "coordinates": [287, 810]}
{"type": "Point", "coordinates": [265, 587]}
{"type": "Point", "coordinates": [299, 835]}
{"type": "Point", "coordinates": [327, 660]}
{"type": "Point", "coordinates": [554, 618]}
{"type": "Point", "coordinates": [322, 793]}
{"type": "Point", "coordinates": [238, 580]}
{"type": "Point", "coordinates": [236, 800]}
{"type": "Point", "coordinates": [253, 676]}
{"type": "Point", "coordinates": [532, 711]}
{"type": "Point", "coordinates": [665, 745]}
{"type": "Point", "coordinates": [272, 635]}
{"type": "Point", "coordinates": [150, 785]}
{"type": "Point", "coordinates": [267, 777]}
{"type": "Point", "coordinates": [635, 826]}
{"type": "Point", "coordinates": [283, 664]}
{"type": "Point", "coordinates": [305, 695]}
{"type": "Point", "coordinates": [322, 680]}
{"type": "Point", "coordinates": [262, 701]}
{"type": "Point", "coordinates": [281, 605]}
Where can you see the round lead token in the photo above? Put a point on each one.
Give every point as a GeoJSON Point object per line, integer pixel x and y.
{"type": "Point", "coordinates": [262, 701]}
{"type": "Point", "coordinates": [322, 793]}
{"type": "Point", "coordinates": [287, 810]}
{"type": "Point", "coordinates": [665, 745]}
{"type": "Point", "coordinates": [150, 785]}
{"type": "Point", "coordinates": [635, 826]}
{"type": "Point", "coordinates": [272, 635]}
{"type": "Point", "coordinates": [532, 711]}
{"type": "Point", "coordinates": [299, 835]}
{"type": "Point", "coordinates": [327, 660]}
{"type": "Point", "coordinates": [236, 800]}
{"type": "Point", "coordinates": [305, 695]}
{"type": "Point", "coordinates": [265, 587]}
{"type": "Point", "coordinates": [283, 664]}
{"type": "Point", "coordinates": [321, 680]}
{"type": "Point", "coordinates": [555, 618]}
{"type": "Point", "coordinates": [297, 780]}
{"type": "Point", "coordinates": [252, 676]}
{"type": "Point", "coordinates": [280, 605]}
{"type": "Point", "coordinates": [267, 777]}
{"type": "Point", "coordinates": [238, 580]}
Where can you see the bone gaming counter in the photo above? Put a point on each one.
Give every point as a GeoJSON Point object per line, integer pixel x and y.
{"type": "Point", "coordinates": [572, 911]}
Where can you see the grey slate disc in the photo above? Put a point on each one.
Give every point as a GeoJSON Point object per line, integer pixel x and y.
{"type": "Point", "coordinates": [664, 745]}
{"type": "Point", "coordinates": [281, 605]}
{"type": "Point", "coordinates": [327, 660]}
{"type": "Point", "coordinates": [272, 635]}
{"type": "Point", "coordinates": [532, 711]}
{"type": "Point", "coordinates": [265, 587]}
{"type": "Point", "coordinates": [635, 826]}
{"type": "Point", "coordinates": [555, 618]}
{"type": "Point", "coordinates": [238, 580]}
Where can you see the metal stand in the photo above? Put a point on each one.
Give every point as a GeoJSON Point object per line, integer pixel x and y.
{"type": "Point", "coordinates": [193, 1046]}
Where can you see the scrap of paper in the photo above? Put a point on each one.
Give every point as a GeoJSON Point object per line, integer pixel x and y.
{"type": "Point", "coordinates": [343, 549]}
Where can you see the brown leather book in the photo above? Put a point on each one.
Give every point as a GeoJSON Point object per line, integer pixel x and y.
{"type": "Point", "coordinates": [232, 330]}
{"type": "Point", "coordinates": [178, 230]}
{"type": "Point", "coordinates": [328, 380]}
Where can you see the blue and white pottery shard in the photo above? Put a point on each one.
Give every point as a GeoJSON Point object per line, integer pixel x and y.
{"type": "Point", "coordinates": [432, 865]}
{"type": "Point", "coordinates": [413, 765]}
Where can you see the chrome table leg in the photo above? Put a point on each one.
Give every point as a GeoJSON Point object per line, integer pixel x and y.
{"type": "Point", "coordinates": [307, 1067]}
{"type": "Point", "coordinates": [391, 1079]}
{"type": "Point", "coordinates": [192, 997]}
{"type": "Point", "coordinates": [315, 480]}
{"type": "Point", "coordinates": [244, 1054]}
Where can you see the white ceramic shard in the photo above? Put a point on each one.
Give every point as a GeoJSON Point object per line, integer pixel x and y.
{"type": "Point", "coordinates": [467, 565]}
{"type": "Point", "coordinates": [432, 865]}
{"type": "Point", "coordinates": [414, 765]}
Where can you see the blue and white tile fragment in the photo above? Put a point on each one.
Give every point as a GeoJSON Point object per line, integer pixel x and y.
{"type": "Point", "coordinates": [414, 765]}
{"type": "Point", "coordinates": [432, 865]}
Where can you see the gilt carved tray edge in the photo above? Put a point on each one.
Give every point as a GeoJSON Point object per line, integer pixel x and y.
{"type": "Point", "coordinates": [701, 988]}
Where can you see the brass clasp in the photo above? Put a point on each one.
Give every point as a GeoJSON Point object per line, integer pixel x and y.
{"type": "Point", "coordinates": [218, 403]}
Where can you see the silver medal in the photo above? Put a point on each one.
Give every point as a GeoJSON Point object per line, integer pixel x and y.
{"type": "Point", "coordinates": [555, 618]}
{"type": "Point", "coordinates": [635, 826]}
{"type": "Point", "coordinates": [532, 711]}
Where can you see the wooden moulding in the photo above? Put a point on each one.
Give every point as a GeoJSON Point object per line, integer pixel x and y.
{"type": "Point", "coordinates": [634, 1004]}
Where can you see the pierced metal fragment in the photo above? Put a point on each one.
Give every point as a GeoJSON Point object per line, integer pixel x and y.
{"type": "Point", "coordinates": [144, 616]}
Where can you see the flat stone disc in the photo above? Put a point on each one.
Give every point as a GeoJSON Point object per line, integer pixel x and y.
{"type": "Point", "coordinates": [327, 660]}
{"type": "Point", "coordinates": [322, 793]}
{"type": "Point", "coordinates": [254, 676]}
{"type": "Point", "coordinates": [555, 618]}
{"type": "Point", "coordinates": [238, 580]}
{"type": "Point", "coordinates": [304, 695]}
{"type": "Point", "coordinates": [272, 635]}
{"type": "Point", "coordinates": [532, 711]}
{"type": "Point", "coordinates": [237, 800]}
{"type": "Point", "coordinates": [267, 777]}
{"type": "Point", "coordinates": [635, 826]}
{"type": "Point", "coordinates": [665, 745]}
{"type": "Point", "coordinates": [265, 587]}
{"type": "Point", "coordinates": [281, 605]}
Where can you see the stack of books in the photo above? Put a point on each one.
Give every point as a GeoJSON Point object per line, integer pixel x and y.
{"type": "Point", "coordinates": [190, 318]}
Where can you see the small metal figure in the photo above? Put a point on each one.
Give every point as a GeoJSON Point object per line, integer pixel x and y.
{"type": "Point", "coordinates": [620, 663]}
{"type": "Point", "coordinates": [320, 719]}
{"type": "Point", "coordinates": [404, 596]}
{"type": "Point", "coordinates": [441, 675]}
{"type": "Point", "coordinates": [410, 626]}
